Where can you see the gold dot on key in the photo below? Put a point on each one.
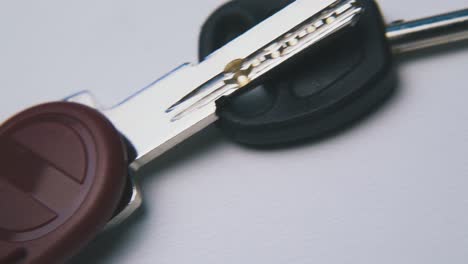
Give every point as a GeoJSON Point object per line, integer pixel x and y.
{"type": "Point", "coordinates": [275, 54]}
{"type": "Point", "coordinates": [256, 63]}
{"type": "Point", "coordinates": [242, 80]}
{"type": "Point", "coordinates": [311, 29]}
{"type": "Point", "coordinates": [330, 20]}
{"type": "Point", "coordinates": [293, 42]}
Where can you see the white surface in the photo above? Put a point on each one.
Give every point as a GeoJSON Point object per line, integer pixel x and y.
{"type": "Point", "coordinates": [393, 189]}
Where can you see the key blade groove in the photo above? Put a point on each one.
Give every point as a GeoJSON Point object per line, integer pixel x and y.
{"type": "Point", "coordinates": [167, 112]}
{"type": "Point", "coordinates": [269, 57]}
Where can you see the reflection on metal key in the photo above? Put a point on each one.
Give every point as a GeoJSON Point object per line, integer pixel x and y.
{"type": "Point", "coordinates": [65, 163]}
{"type": "Point", "coordinates": [73, 172]}
{"type": "Point", "coordinates": [183, 102]}
{"type": "Point", "coordinates": [240, 72]}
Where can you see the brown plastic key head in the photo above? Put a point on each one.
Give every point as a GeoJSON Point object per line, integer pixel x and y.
{"type": "Point", "coordinates": [63, 168]}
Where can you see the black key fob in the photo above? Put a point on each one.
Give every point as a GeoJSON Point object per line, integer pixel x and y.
{"type": "Point", "coordinates": [331, 86]}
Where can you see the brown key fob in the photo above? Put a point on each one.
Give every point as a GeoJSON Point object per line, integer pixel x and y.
{"type": "Point", "coordinates": [64, 168]}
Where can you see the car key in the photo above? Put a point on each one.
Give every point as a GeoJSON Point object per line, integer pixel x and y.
{"type": "Point", "coordinates": [65, 164]}
{"type": "Point", "coordinates": [331, 87]}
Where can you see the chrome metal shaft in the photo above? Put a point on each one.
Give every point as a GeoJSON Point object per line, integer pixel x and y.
{"type": "Point", "coordinates": [428, 32]}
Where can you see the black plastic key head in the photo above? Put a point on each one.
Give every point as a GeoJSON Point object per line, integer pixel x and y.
{"type": "Point", "coordinates": [329, 87]}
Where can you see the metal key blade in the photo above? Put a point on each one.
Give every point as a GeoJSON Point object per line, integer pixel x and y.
{"type": "Point", "coordinates": [241, 72]}
{"type": "Point", "coordinates": [428, 32]}
{"type": "Point", "coordinates": [183, 102]}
